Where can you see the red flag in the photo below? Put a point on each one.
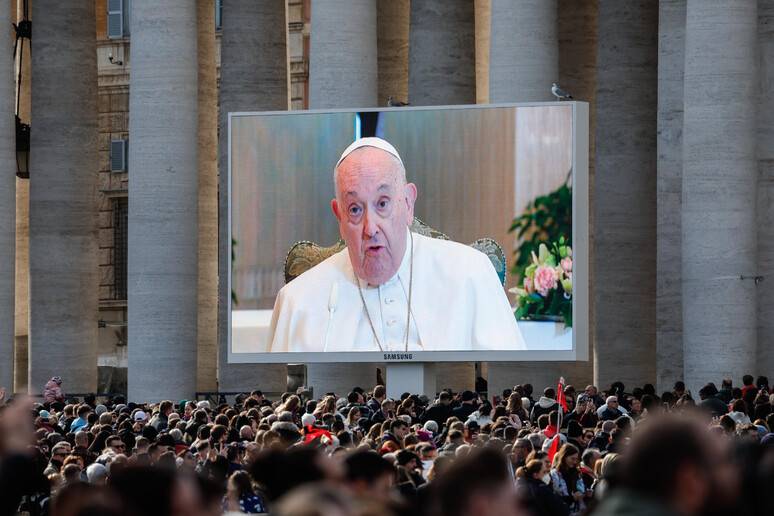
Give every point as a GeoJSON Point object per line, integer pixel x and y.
{"type": "Point", "coordinates": [560, 397]}
{"type": "Point", "coordinates": [311, 433]}
{"type": "Point", "coordinates": [554, 447]}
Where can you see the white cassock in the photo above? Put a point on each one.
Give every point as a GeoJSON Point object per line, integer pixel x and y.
{"type": "Point", "coordinates": [457, 303]}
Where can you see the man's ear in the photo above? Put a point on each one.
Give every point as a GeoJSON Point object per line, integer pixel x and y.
{"type": "Point", "coordinates": [335, 209]}
{"type": "Point", "coordinates": [411, 198]}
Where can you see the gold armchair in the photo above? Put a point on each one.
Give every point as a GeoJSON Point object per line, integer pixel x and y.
{"type": "Point", "coordinates": [304, 254]}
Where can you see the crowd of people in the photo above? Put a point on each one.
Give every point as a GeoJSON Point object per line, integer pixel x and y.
{"type": "Point", "coordinates": [568, 452]}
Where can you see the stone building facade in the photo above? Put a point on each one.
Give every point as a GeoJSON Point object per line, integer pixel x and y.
{"type": "Point", "coordinates": [692, 309]}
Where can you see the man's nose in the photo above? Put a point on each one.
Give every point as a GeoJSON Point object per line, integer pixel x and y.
{"type": "Point", "coordinates": [370, 226]}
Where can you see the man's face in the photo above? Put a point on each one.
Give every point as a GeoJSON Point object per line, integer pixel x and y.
{"type": "Point", "coordinates": [117, 446]}
{"type": "Point", "coordinates": [613, 404]}
{"type": "Point", "coordinates": [520, 453]}
{"type": "Point", "coordinates": [374, 207]}
{"type": "Point", "coordinates": [401, 431]}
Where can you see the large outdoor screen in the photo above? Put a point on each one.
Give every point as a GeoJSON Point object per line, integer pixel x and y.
{"type": "Point", "coordinates": [517, 174]}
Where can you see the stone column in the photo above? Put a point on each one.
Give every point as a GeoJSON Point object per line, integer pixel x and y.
{"type": "Point", "coordinates": [765, 182]}
{"type": "Point", "coordinates": [524, 51]}
{"type": "Point", "coordinates": [344, 44]}
{"type": "Point", "coordinates": [719, 180]}
{"type": "Point", "coordinates": [63, 216]}
{"type": "Point", "coordinates": [442, 52]}
{"type": "Point", "coordinates": [21, 352]}
{"type": "Point", "coordinates": [442, 71]}
{"type": "Point", "coordinates": [343, 70]}
{"type": "Point", "coordinates": [392, 41]}
{"type": "Point", "coordinates": [7, 206]}
{"type": "Point", "coordinates": [207, 317]}
{"type": "Point", "coordinates": [576, 42]}
{"type": "Point", "coordinates": [669, 311]}
{"type": "Point", "coordinates": [163, 202]}
{"type": "Point", "coordinates": [624, 227]}
{"type": "Point", "coordinates": [253, 77]}
{"type": "Point", "coordinates": [343, 57]}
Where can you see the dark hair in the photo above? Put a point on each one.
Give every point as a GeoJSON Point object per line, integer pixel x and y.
{"type": "Point", "coordinates": [380, 391]}
{"type": "Point", "coordinates": [279, 472]}
{"type": "Point", "coordinates": [548, 392]}
{"type": "Point", "coordinates": [663, 446]}
{"type": "Point", "coordinates": [762, 382]}
{"type": "Point", "coordinates": [708, 391]}
{"type": "Point", "coordinates": [396, 423]}
{"type": "Point", "coordinates": [367, 466]}
{"type": "Point", "coordinates": [529, 470]}
{"type": "Point", "coordinates": [747, 379]}
{"type": "Point", "coordinates": [679, 386]}
{"type": "Point", "coordinates": [482, 470]}
{"type": "Point", "coordinates": [242, 483]}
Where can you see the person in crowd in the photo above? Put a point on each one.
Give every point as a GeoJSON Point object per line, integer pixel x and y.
{"type": "Point", "coordinates": [369, 476]}
{"type": "Point", "coordinates": [738, 412]}
{"type": "Point", "coordinates": [726, 391]}
{"type": "Point", "coordinates": [81, 422]}
{"type": "Point", "coordinates": [672, 467]}
{"type": "Point", "coordinates": [476, 484]}
{"type": "Point", "coordinates": [611, 409]}
{"type": "Point", "coordinates": [241, 495]}
{"type": "Point", "coordinates": [440, 411]}
{"type": "Point", "coordinates": [566, 479]}
{"type": "Point", "coordinates": [584, 412]}
{"type": "Point", "coordinates": [519, 453]}
{"type": "Point", "coordinates": [533, 485]}
{"type": "Point", "coordinates": [52, 391]}
{"type": "Point", "coordinates": [710, 401]}
{"type": "Point", "coordinates": [468, 405]}
{"type": "Point", "coordinates": [545, 404]}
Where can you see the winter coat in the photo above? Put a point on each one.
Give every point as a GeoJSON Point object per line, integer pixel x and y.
{"type": "Point", "coordinates": [52, 392]}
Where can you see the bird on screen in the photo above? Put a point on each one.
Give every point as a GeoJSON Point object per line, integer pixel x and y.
{"type": "Point", "coordinates": [390, 289]}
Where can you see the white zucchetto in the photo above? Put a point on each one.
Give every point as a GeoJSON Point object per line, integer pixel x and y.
{"type": "Point", "coordinates": [370, 141]}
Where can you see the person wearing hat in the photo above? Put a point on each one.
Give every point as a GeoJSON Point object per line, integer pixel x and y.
{"type": "Point", "coordinates": [381, 293]}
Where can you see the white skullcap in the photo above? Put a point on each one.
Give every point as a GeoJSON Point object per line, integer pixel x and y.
{"type": "Point", "coordinates": [370, 141]}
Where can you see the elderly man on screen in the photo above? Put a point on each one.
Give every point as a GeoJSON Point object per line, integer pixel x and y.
{"type": "Point", "coordinates": [391, 289]}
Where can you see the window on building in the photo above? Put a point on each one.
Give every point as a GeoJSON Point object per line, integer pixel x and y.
{"type": "Point", "coordinates": [118, 18]}
{"type": "Point", "coordinates": [118, 154]}
{"type": "Point", "coordinates": [218, 14]}
{"type": "Point", "coordinates": [120, 245]}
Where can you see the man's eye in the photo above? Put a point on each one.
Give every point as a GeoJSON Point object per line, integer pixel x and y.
{"type": "Point", "coordinates": [383, 203]}
{"type": "Point", "coordinates": [354, 210]}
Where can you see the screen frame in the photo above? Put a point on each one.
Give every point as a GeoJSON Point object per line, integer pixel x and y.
{"type": "Point", "coordinates": [580, 239]}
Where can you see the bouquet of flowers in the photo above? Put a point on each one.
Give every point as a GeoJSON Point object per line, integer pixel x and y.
{"type": "Point", "coordinates": [547, 290]}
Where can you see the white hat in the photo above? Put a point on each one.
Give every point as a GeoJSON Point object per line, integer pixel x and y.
{"type": "Point", "coordinates": [204, 404]}
{"type": "Point", "coordinates": [308, 420]}
{"type": "Point", "coordinates": [370, 141]}
{"type": "Point", "coordinates": [140, 416]}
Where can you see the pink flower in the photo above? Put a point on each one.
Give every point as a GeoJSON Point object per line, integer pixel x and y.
{"type": "Point", "coordinates": [566, 264]}
{"type": "Point", "coordinates": [528, 285]}
{"type": "Point", "coordinates": [545, 279]}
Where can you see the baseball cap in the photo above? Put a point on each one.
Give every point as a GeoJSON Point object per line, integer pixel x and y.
{"type": "Point", "coordinates": [140, 416]}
